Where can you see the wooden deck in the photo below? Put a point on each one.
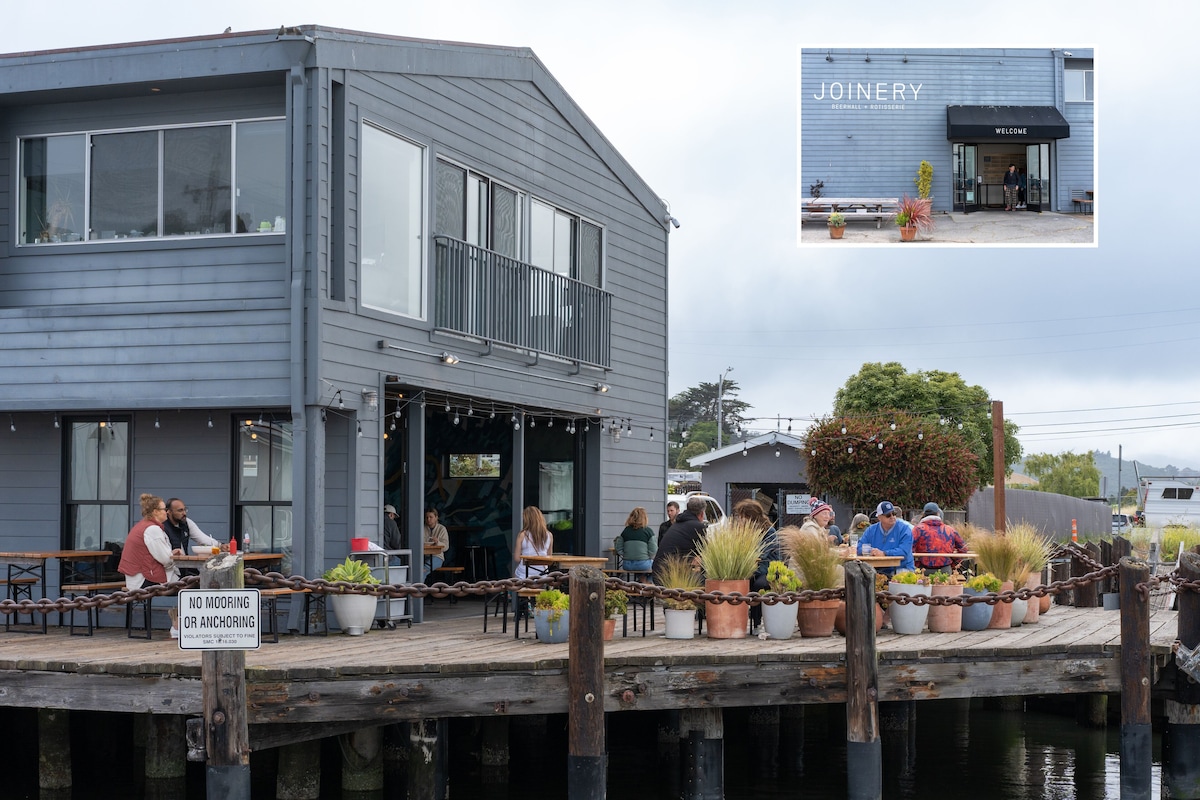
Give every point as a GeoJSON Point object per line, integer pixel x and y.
{"type": "Point", "coordinates": [449, 668]}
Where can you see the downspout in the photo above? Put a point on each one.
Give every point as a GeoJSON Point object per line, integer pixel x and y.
{"type": "Point", "coordinates": [312, 552]}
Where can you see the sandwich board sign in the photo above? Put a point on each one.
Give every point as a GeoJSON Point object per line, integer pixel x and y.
{"type": "Point", "coordinates": [218, 619]}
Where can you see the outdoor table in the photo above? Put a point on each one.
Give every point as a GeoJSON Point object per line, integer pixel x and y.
{"type": "Point", "coordinates": [875, 561]}
{"type": "Point", "coordinates": [32, 564]}
{"type": "Point", "coordinates": [251, 559]}
{"type": "Point", "coordinates": [432, 550]}
{"type": "Point", "coordinates": [564, 561]}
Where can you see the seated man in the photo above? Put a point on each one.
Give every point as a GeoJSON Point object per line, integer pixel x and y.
{"type": "Point", "coordinates": [890, 536]}
{"type": "Point", "coordinates": [932, 535]}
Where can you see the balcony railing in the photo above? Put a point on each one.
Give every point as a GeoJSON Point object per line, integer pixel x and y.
{"type": "Point", "coordinates": [497, 299]}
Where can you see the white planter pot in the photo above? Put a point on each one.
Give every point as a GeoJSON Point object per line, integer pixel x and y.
{"type": "Point", "coordinates": [681, 623]}
{"type": "Point", "coordinates": [910, 618]}
{"type": "Point", "coordinates": [354, 612]}
{"type": "Point", "coordinates": [779, 620]}
{"type": "Point", "coordinates": [1020, 609]}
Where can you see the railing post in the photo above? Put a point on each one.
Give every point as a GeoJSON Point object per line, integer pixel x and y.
{"type": "Point", "coordinates": [223, 674]}
{"type": "Point", "coordinates": [1181, 770]}
{"type": "Point", "coordinates": [586, 761]}
{"type": "Point", "coordinates": [864, 750]}
{"type": "Point", "coordinates": [1136, 746]}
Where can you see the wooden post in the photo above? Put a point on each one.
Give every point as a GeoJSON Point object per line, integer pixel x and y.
{"type": "Point", "coordinates": [298, 776]}
{"type": "Point", "coordinates": [1181, 772]}
{"type": "Point", "coordinates": [864, 750]}
{"type": "Point", "coordinates": [586, 760]}
{"type": "Point", "coordinates": [494, 752]}
{"type": "Point", "coordinates": [427, 756]}
{"type": "Point", "coordinates": [54, 749]}
{"type": "Point", "coordinates": [702, 750]}
{"type": "Point", "coordinates": [1085, 596]}
{"type": "Point", "coordinates": [362, 760]}
{"type": "Point", "coordinates": [166, 748]}
{"type": "Point", "coordinates": [223, 674]}
{"type": "Point", "coordinates": [668, 753]}
{"type": "Point", "coordinates": [1136, 747]}
{"type": "Point", "coordinates": [1000, 515]}
{"type": "Point", "coordinates": [762, 732]}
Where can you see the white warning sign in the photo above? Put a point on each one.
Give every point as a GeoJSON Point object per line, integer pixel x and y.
{"type": "Point", "coordinates": [218, 619]}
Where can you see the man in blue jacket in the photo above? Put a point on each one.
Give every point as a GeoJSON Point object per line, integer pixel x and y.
{"type": "Point", "coordinates": [890, 536]}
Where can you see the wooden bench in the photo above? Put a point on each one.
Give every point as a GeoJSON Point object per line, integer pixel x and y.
{"type": "Point", "coordinates": [877, 208]}
{"type": "Point", "coordinates": [72, 590]}
{"type": "Point", "coordinates": [269, 605]}
{"type": "Point", "coordinates": [20, 588]}
{"type": "Point", "coordinates": [1082, 200]}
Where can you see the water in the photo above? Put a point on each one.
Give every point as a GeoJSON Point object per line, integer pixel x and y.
{"type": "Point", "coordinates": [974, 751]}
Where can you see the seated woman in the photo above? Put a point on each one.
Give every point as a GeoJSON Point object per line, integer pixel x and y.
{"type": "Point", "coordinates": [436, 535]}
{"type": "Point", "coordinates": [636, 544]}
{"type": "Point", "coordinates": [147, 558]}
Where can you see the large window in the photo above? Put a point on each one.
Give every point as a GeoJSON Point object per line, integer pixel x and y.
{"type": "Point", "coordinates": [390, 216]}
{"type": "Point", "coordinates": [180, 181]}
{"type": "Point", "coordinates": [97, 483]}
{"type": "Point", "coordinates": [263, 509]}
{"type": "Point", "coordinates": [564, 243]}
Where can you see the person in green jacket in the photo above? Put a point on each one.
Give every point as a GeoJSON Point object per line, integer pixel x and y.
{"type": "Point", "coordinates": [637, 544]}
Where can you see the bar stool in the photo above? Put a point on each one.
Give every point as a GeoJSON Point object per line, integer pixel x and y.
{"type": "Point", "coordinates": [146, 613]}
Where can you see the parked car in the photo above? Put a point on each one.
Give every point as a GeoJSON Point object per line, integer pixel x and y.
{"type": "Point", "coordinates": [713, 512]}
{"type": "Point", "coordinates": [1120, 522]}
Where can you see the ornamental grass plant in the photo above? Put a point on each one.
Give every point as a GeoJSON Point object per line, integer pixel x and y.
{"type": "Point", "coordinates": [677, 572]}
{"type": "Point", "coordinates": [1032, 547]}
{"type": "Point", "coordinates": [816, 564]}
{"type": "Point", "coordinates": [998, 554]}
{"type": "Point", "coordinates": [730, 552]}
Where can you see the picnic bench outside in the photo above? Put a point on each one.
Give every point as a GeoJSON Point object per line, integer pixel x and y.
{"type": "Point", "coordinates": [1082, 200]}
{"type": "Point", "coordinates": [878, 208]}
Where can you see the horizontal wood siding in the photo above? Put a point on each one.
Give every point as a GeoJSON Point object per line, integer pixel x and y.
{"type": "Point", "coordinates": [131, 323]}
{"type": "Point", "coordinates": [1076, 155]}
{"type": "Point", "coordinates": [866, 152]}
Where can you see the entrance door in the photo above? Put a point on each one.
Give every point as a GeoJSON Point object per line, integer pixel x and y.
{"type": "Point", "coordinates": [966, 178]}
{"type": "Point", "coordinates": [1037, 177]}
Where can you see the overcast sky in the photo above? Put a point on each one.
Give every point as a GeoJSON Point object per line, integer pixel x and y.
{"type": "Point", "coordinates": [701, 99]}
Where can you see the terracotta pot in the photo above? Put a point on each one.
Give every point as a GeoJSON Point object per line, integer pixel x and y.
{"type": "Point", "coordinates": [610, 626]}
{"type": "Point", "coordinates": [839, 621]}
{"type": "Point", "coordinates": [945, 619]}
{"type": "Point", "coordinates": [815, 617]}
{"type": "Point", "coordinates": [1034, 611]}
{"type": "Point", "coordinates": [727, 620]}
{"type": "Point", "coordinates": [1002, 612]}
{"type": "Point", "coordinates": [1044, 604]}
{"type": "Point", "coordinates": [908, 233]}
{"type": "Point", "coordinates": [836, 233]}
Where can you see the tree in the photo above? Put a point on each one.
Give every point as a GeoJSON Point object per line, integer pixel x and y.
{"type": "Point", "coordinates": [690, 450]}
{"type": "Point", "coordinates": [698, 404]}
{"type": "Point", "coordinates": [1072, 474]}
{"type": "Point", "coordinates": [915, 465]}
{"type": "Point", "coordinates": [938, 398]}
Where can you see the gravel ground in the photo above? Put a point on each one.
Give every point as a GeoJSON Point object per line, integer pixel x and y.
{"type": "Point", "coordinates": [981, 227]}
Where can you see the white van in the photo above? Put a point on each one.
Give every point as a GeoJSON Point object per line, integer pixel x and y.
{"type": "Point", "coordinates": [713, 512]}
{"type": "Point", "coordinates": [1170, 501]}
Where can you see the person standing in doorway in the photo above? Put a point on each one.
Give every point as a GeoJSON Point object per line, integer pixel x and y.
{"type": "Point", "coordinates": [1011, 184]}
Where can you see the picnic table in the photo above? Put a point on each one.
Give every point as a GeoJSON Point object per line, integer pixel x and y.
{"type": "Point", "coordinates": [852, 208]}
{"type": "Point", "coordinates": [27, 572]}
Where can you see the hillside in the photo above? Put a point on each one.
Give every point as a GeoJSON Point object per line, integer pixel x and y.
{"type": "Point", "coordinates": [1107, 464]}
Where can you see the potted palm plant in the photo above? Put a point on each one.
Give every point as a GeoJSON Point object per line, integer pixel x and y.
{"type": "Point", "coordinates": [914, 214]}
{"type": "Point", "coordinates": [354, 611]}
{"type": "Point", "coordinates": [818, 567]}
{"type": "Point", "coordinates": [552, 616]}
{"type": "Point", "coordinates": [779, 618]}
{"type": "Point", "coordinates": [729, 554]}
{"type": "Point", "coordinates": [616, 604]}
{"type": "Point", "coordinates": [909, 618]}
{"type": "Point", "coordinates": [677, 572]}
{"type": "Point", "coordinates": [837, 225]}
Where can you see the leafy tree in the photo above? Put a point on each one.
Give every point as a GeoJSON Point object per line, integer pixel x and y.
{"type": "Point", "coordinates": [1069, 473]}
{"type": "Point", "coordinates": [703, 432]}
{"type": "Point", "coordinates": [916, 464]}
{"type": "Point", "coordinates": [688, 451]}
{"type": "Point", "coordinates": [699, 404]}
{"type": "Point", "coordinates": [938, 398]}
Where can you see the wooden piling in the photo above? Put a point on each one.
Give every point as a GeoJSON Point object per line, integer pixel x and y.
{"type": "Point", "coordinates": [1181, 770]}
{"type": "Point", "coordinates": [54, 749]}
{"type": "Point", "coordinates": [668, 753]}
{"type": "Point", "coordinates": [299, 771]}
{"type": "Point", "coordinates": [494, 751]}
{"type": "Point", "coordinates": [362, 760]}
{"type": "Point", "coordinates": [166, 747]}
{"type": "Point", "coordinates": [586, 760]}
{"type": "Point", "coordinates": [223, 673]}
{"type": "Point", "coordinates": [1136, 733]}
{"type": "Point", "coordinates": [427, 759]}
{"type": "Point", "coordinates": [864, 749]}
{"type": "Point", "coordinates": [702, 750]}
{"type": "Point", "coordinates": [1085, 596]}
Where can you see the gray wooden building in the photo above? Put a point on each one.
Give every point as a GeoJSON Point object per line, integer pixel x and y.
{"type": "Point", "coordinates": [868, 117]}
{"type": "Point", "coordinates": [291, 276]}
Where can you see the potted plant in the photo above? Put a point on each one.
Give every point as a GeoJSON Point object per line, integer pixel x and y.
{"type": "Point", "coordinates": [677, 572]}
{"type": "Point", "coordinates": [818, 567]}
{"type": "Point", "coordinates": [616, 604]}
{"type": "Point", "coordinates": [1033, 549]}
{"type": "Point", "coordinates": [355, 612]}
{"type": "Point", "coordinates": [779, 618]}
{"type": "Point", "coordinates": [837, 225]}
{"type": "Point", "coordinates": [998, 555]}
{"type": "Point", "coordinates": [976, 616]}
{"type": "Point", "coordinates": [552, 616]}
{"type": "Point", "coordinates": [909, 618]}
{"type": "Point", "coordinates": [729, 554]}
{"type": "Point", "coordinates": [924, 180]}
{"type": "Point", "coordinates": [914, 214]}
{"type": "Point", "coordinates": [948, 618]}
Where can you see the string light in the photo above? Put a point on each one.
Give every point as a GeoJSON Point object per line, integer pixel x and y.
{"type": "Point", "coordinates": [843, 428]}
{"type": "Point", "coordinates": [156, 425]}
{"type": "Point", "coordinates": [850, 449]}
{"type": "Point", "coordinates": [56, 421]}
{"type": "Point", "coordinates": [12, 423]}
{"type": "Point", "coordinates": [920, 434]}
{"type": "Point", "coordinates": [360, 430]}
{"type": "Point", "coordinates": [210, 422]}
{"type": "Point", "coordinates": [455, 417]}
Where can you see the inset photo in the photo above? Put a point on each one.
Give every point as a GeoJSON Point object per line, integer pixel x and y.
{"type": "Point", "coordinates": [950, 146]}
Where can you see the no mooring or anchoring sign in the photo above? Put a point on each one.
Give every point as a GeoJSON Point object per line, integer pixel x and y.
{"type": "Point", "coordinates": [218, 619]}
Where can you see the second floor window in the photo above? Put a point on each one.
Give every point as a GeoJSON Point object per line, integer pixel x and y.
{"type": "Point", "coordinates": [564, 243]}
{"type": "Point", "coordinates": [477, 210]}
{"type": "Point", "coordinates": [179, 181]}
{"type": "Point", "coordinates": [1078, 85]}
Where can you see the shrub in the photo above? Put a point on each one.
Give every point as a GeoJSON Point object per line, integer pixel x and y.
{"type": "Point", "coordinates": [676, 572]}
{"type": "Point", "coordinates": [616, 603]}
{"type": "Point", "coordinates": [837, 220]}
{"type": "Point", "coordinates": [351, 571]}
{"type": "Point", "coordinates": [984, 582]}
{"type": "Point", "coordinates": [780, 578]}
{"type": "Point", "coordinates": [911, 577]}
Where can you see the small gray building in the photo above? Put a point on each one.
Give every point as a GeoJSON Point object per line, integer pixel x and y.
{"type": "Point", "coordinates": [869, 117]}
{"type": "Point", "coordinates": [291, 276]}
{"type": "Point", "coordinates": [770, 468]}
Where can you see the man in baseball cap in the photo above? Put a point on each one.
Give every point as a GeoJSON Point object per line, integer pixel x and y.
{"type": "Point", "coordinates": [890, 536]}
{"type": "Point", "coordinates": [391, 529]}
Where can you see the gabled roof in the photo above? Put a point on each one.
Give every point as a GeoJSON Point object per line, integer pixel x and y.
{"type": "Point", "coordinates": [774, 439]}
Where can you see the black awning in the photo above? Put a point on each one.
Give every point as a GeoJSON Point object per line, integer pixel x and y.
{"type": "Point", "coordinates": [1005, 122]}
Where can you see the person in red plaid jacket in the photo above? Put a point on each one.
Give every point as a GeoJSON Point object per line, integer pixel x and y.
{"type": "Point", "coordinates": [932, 535]}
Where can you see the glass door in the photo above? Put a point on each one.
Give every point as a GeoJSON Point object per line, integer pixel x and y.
{"type": "Point", "coordinates": [1037, 177]}
{"type": "Point", "coordinates": [966, 179]}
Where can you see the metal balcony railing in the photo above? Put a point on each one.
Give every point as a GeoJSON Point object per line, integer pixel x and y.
{"type": "Point", "coordinates": [497, 299]}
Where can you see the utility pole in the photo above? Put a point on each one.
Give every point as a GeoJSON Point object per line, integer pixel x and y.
{"type": "Point", "coordinates": [1000, 516]}
{"type": "Point", "coordinates": [720, 395]}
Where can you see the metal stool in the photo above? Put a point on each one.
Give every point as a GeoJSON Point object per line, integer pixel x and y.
{"type": "Point", "coordinates": [146, 612]}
